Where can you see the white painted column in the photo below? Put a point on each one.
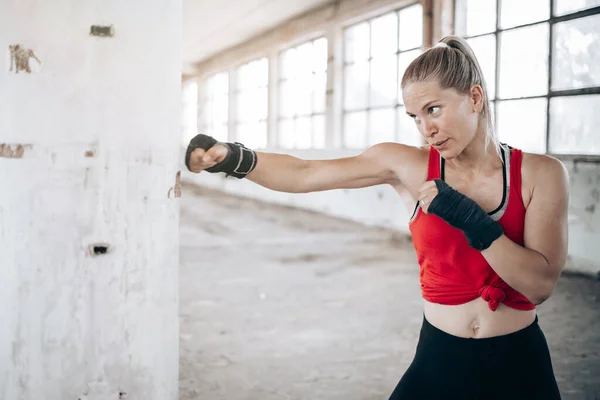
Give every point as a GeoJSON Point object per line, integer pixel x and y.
{"type": "Point", "coordinates": [89, 151]}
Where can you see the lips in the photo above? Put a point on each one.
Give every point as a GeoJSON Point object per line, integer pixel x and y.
{"type": "Point", "coordinates": [439, 143]}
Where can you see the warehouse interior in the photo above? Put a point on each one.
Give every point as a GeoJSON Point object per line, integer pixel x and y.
{"type": "Point", "coordinates": [324, 83]}
{"type": "Point", "coordinates": [126, 276]}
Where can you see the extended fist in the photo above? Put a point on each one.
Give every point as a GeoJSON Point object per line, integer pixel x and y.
{"type": "Point", "coordinates": [201, 159]}
{"type": "Point", "coordinates": [204, 152]}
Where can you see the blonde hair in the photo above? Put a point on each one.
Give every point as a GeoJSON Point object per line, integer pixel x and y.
{"type": "Point", "coordinates": [453, 64]}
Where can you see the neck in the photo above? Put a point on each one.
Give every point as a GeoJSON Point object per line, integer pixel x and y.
{"type": "Point", "coordinates": [476, 158]}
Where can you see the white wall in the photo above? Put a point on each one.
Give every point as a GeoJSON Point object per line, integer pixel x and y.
{"type": "Point", "coordinates": [99, 120]}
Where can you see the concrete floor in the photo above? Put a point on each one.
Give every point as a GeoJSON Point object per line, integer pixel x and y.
{"type": "Point", "coordinates": [279, 303]}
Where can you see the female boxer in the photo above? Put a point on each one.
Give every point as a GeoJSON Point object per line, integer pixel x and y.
{"type": "Point", "coordinates": [489, 229]}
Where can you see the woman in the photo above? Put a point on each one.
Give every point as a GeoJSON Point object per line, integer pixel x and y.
{"type": "Point", "coordinates": [489, 229]}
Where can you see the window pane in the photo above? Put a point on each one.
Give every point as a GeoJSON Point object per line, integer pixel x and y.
{"type": "Point", "coordinates": [319, 93]}
{"type": "Point", "coordinates": [355, 130]}
{"type": "Point", "coordinates": [286, 133]}
{"type": "Point", "coordinates": [261, 72]}
{"type": "Point", "coordinates": [576, 54]}
{"type": "Point", "coordinates": [253, 135]}
{"type": "Point", "coordinates": [356, 85]}
{"type": "Point", "coordinates": [519, 12]}
{"type": "Point", "coordinates": [219, 132]}
{"type": "Point", "coordinates": [522, 124]}
{"type": "Point", "coordinates": [404, 60]}
{"type": "Point", "coordinates": [382, 126]}
{"type": "Point", "coordinates": [241, 110]}
{"type": "Point", "coordinates": [303, 94]}
{"type": "Point", "coordinates": [208, 113]}
{"type": "Point", "coordinates": [475, 17]}
{"type": "Point", "coordinates": [407, 129]}
{"type": "Point", "coordinates": [574, 122]}
{"type": "Point", "coordinates": [383, 81]}
{"type": "Point", "coordinates": [287, 64]}
{"type": "Point", "coordinates": [305, 59]}
{"type": "Point", "coordinates": [485, 51]}
{"type": "Point", "coordinates": [221, 83]}
{"type": "Point", "coordinates": [221, 108]}
{"type": "Point", "coordinates": [320, 55]}
{"type": "Point", "coordinates": [318, 128]}
{"type": "Point", "coordinates": [562, 7]}
{"type": "Point", "coordinates": [383, 35]}
{"type": "Point", "coordinates": [242, 77]}
{"type": "Point", "coordinates": [524, 62]}
{"type": "Point", "coordinates": [356, 40]}
{"type": "Point", "coordinates": [410, 34]}
{"type": "Point", "coordinates": [260, 101]}
{"type": "Point", "coordinates": [303, 133]}
{"type": "Point", "coordinates": [252, 105]}
{"type": "Point", "coordinates": [287, 100]}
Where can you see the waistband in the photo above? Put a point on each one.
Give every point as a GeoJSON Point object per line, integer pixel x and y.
{"type": "Point", "coordinates": [429, 331]}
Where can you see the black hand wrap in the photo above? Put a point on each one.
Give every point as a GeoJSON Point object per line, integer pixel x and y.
{"type": "Point", "coordinates": [463, 213]}
{"type": "Point", "coordinates": [238, 162]}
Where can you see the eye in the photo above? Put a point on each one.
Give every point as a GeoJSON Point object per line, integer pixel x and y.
{"type": "Point", "coordinates": [433, 110]}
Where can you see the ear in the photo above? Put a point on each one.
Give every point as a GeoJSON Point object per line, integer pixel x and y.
{"type": "Point", "coordinates": [477, 98]}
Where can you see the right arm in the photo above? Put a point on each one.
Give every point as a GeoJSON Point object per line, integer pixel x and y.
{"type": "Point", "coordinates": [285, 173]}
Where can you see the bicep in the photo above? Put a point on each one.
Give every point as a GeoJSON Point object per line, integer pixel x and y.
{"type": "Point", "coordinates": [546, 218]}
{"type": "Point", "coordinates": [372, 167]}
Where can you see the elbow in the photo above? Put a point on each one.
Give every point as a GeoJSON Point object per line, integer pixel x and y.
{"type": "Point", "coordinates": [542, 292]}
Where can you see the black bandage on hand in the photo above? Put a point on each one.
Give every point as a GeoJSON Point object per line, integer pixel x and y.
{"type": "Point", "coordinates": [238, 162]}
{"type": "Point", "coordinates": [200, 141]}
{"type": "Point", "coordinates": [463, 213]}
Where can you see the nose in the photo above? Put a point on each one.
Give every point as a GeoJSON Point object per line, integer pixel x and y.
{"type": "Point", "coordinates": [429, 128]}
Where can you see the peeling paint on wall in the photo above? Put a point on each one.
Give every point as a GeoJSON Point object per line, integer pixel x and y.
{"type": "Point", "coordinates": [19, 58]}
{"type": "Point", "coordinates": [176, 190]}
{"type": "Point", "coordinates": [13, 151]}
{"type": "Point", "coordinates": [178, 184]}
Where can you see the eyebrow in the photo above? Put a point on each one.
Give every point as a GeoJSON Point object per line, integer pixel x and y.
{"type": "Point", "coordinates": [425, 106]}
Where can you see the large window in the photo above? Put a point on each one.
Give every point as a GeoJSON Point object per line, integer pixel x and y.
{"type": "Point", "coordinates": [302, 89]}
{"type": "Point", "coordinates": [189, 111]}
{"type": "Point", "coordinates": [252, 102]}
{"type": "Point", "coordinates": [543, 69]}
{"type": "Point", "coordinates": [376, 54]}
{"type": "Point", "coordinates": [216, 106]}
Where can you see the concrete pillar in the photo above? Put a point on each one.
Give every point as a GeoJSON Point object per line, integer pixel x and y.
{"type": "Point", "coordinates": [89, 151]}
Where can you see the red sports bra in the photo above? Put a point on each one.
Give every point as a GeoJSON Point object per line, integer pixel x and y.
{"type": "Point", "coordinates": [454, 273]}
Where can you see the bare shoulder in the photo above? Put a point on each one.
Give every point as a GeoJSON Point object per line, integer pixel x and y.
{"type": "Point", "coordinates": [408, 163]}
{"type": "Point", "coordinates": [543, 170]}
{"type": "Point", "coordinates": [396, 151]}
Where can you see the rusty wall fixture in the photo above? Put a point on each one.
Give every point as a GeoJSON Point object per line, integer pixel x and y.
{"type": "Point", "coordinates": [19, 58]}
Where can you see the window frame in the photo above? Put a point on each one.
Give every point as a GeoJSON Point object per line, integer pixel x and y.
{"type": "Point", "coordinates": [209, 97]}
{"type": "Point", "coordinates": [234, 95]}
{"type": "Point", "coordinates": [551, 21]}
{"type": "Point", "coordinates": [369, 18]}
{"type": "Point", "coordinates": [279, 80]}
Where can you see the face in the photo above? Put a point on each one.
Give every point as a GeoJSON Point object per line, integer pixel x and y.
{"type": "Point", "coordinates": [448, 120]}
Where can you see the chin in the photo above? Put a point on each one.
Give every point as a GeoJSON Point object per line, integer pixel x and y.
{"type": "Point", "coordinates": [449, 153]}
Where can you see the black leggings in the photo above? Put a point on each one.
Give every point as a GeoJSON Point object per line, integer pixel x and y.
{"type": "Point", "coordinates": [514, 366]}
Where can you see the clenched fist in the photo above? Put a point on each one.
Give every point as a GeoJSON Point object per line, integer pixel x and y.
{"type": "Point", "coordinates": [201, 159]}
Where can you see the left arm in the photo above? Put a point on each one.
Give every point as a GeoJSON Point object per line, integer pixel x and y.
{"type": "Point", "coordinates": [534, 269]}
